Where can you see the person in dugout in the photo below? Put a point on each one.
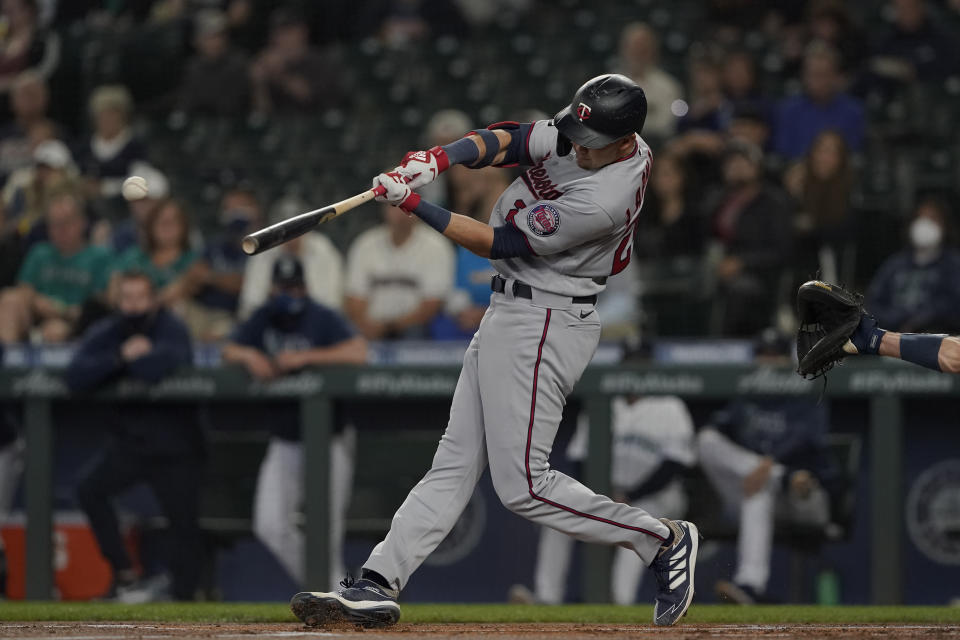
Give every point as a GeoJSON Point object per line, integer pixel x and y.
{"type": "Point", "coordinates": [160, 445]}
{"type": "Point", "coordinates": [287, 333]}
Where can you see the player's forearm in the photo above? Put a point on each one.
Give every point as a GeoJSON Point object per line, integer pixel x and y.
{"type": "Point", "coordinates": [424, 312]}
{"type": "Point", "coordinates": [472, 235]}
{"type": "Point", "coordinates": [352, 351]}
{"type": "Point", "coordinates": [950, 355]}
{"type": "Point", "coordinates": [500, 140]}
{"type": "Point", "coordinates": [937, 352]}
{"type": "Point", "coordinates": [237, 353]}
{"type": "Point", "coordinates": [890, 345]}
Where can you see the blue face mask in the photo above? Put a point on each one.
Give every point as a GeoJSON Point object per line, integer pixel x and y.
{"type": "Point", "coordinates": [138, 323]}
{"type": "Point", "coordinates": [237, 226]}
{"type": "Point", "coordinates": [287, 305]}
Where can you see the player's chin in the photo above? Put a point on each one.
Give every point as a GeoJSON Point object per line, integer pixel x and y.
{"type": "Point", "coordinates": [584, 163]}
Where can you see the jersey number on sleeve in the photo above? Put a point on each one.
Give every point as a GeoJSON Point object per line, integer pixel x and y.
{"type": "Point", "coordinates": [625, 249]}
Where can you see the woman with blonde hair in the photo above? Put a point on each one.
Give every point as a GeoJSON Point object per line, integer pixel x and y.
{"type": "Point", "coordinates": [106, 157]}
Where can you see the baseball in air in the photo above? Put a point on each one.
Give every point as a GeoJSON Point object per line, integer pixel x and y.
{"type": "Point", "coordinates": [134, 188]}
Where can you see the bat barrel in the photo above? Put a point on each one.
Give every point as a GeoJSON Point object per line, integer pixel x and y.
{"type": "Point", "coordinates": [283, 231]}
{"type": "Point", "coordinates": [250, 245]}
{"type": "Point", "coordinates": [289, 229]}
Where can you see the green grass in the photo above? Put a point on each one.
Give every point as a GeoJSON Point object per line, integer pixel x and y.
{"type": "Point", "coordinates": [215, 612]}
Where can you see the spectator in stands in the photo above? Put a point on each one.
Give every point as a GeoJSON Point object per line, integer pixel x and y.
{"type": "Point", "coordinates": [29, 99]}
{"type": "Point", "coordinates": [915, 290]}
{"type": "Point", "coordinates": [321, 260]}
{"type": "Point", "coordinates": [703, 127]}
{"type": "Point", "coordinates": [164, 254]}
{"type": "Point", "coordinates": [750, 123]}
{"type": "Point", "coordinates": [767, 456]}
{"type": "Point", "coordinates": [916, 47]}
{"type": "Point", "coordinates": [823, 105]}
{"type": "Point", "coordinates": [830, 21]}
{"type": "Point", "coordinates": [216, 81]}
{"type": "Point", "coordinates": [128, 231]}
{"type": "Point", "coordinates": [399, 23]}
{"type": "Point", "coordinates": [740, 82]}
{"type": "Point", "coordinates": [57, 278]}
{"type": "Point", "coordinates": [473, 192]}
{"type": "Point", "coordinates": [106, 157]}
{"type": "Point", "coordinates": [398, 275]}
{"type": "Point", "coordinates": [821, 186]}
{"type": "Point", "coordinates": [672, 228]}
{"type": "Point", "coordinates": [28, 191]}
{"type": "Point", "coordinates": [652, 447]}
{"type": "Point", "coordinates": [751, 222]}
{"type": "Point", "coordinates": [669, 251]}
{"type": "Point", "coordinates": [289, 75]}
{"type": "Point", "coordinates": [217, 276]}
{"type": "Point", "coordinates": [24, 44]}
{"type": "Point", "coordinates": [640, 59]}
{"type": "Point", "coordinates": [160, 445]}
{"type": "Point", "coordinates": [286, 334]}
{"type": "Point", "coordinates": [708, 109]}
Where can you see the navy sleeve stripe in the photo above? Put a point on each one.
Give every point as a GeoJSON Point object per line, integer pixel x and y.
{"type": "Point", "coordinates": [509, 242]}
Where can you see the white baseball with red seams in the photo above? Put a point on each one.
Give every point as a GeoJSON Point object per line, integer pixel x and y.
{"type": "Point", "coordinates": [526, 358]}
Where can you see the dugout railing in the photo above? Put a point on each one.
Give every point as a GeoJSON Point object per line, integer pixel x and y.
{"type": "Point", "coordinates": [881, 384]}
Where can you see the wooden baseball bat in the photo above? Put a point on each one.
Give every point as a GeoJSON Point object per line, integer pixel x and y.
{"type": "Point", "coordinates": [285, 230]}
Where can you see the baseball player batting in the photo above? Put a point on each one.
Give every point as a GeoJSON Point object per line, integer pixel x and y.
{"type": "Point", "coordinates": [554, 237]}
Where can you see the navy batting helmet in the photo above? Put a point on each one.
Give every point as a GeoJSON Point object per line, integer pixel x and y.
{"type": "Point", "coordinates": [604, 109]}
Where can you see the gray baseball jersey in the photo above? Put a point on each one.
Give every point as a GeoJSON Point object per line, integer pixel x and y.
{"type": "Point", "coordinates": [578, 222]}
{"type": "Point", "coordinates": [526, 358]}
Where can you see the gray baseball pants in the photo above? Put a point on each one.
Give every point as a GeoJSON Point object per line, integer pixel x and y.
{"type": "Point", "coordinates": [520, 366]}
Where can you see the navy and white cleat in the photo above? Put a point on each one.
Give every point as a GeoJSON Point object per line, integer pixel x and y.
{"type": "Point", "coordinates": [360, 602]}
{"type": "Point", "coordinates": [674, 568]}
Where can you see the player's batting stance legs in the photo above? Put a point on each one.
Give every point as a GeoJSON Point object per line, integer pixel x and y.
{"type": "Point", "coordinates": [516, 407]}
{"type": "Point", "coordinates": [507, 406]}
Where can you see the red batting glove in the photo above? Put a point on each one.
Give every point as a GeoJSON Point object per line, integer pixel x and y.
{"type": "Point", "coordinates": [422, 167]}
{"type": "Point", "coordinates": [398, 192]}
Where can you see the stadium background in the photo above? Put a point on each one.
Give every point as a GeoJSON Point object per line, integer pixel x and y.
{"type": "Point", "coordinates": [511, 58]}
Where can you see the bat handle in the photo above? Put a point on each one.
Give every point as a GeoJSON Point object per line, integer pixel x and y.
{"type": "Point", "coordinates": [380, 190]}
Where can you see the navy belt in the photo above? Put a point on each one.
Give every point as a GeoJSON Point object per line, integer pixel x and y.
{"type": "Point", "coordinates": [522, 290]}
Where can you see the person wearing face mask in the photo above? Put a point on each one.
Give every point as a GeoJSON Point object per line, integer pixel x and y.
{"type": "Point", "coordinates": [217, 277]}
{"type": "Point", "coordinates": [915, 290]}
{"type": "Point", "coordinates": [287, 333]}
{"type": "Point", "coordinates": [160, 445]}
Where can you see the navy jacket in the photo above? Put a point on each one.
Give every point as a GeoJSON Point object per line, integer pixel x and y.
{"type": "Point", "coordinates": [906, 296]}
{"type": "Point", "coordinates": [160, 429]}
{"type": "Point", "coordinates": [271, 331]}
{"type": "Point", "coordinates": [790, 430]}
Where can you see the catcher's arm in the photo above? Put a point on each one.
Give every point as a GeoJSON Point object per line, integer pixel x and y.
{"type": "Point", "coordinates": [937, 352]}
{"type": "Point", "coordinates": [833, 325]}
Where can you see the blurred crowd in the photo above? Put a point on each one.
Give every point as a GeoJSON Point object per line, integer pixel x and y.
{"type": "Point", "coordinates": [753, 190]}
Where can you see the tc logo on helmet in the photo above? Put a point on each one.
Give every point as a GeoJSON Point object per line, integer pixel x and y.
{"type": "Point", "coordinates": [583, 112]}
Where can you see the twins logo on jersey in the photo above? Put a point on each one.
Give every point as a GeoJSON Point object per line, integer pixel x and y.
{"type": "Point", "coordinates": [544, 220]}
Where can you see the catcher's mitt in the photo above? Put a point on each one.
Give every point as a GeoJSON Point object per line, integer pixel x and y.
{"type": "Point", "coordinates": [828, 315]}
